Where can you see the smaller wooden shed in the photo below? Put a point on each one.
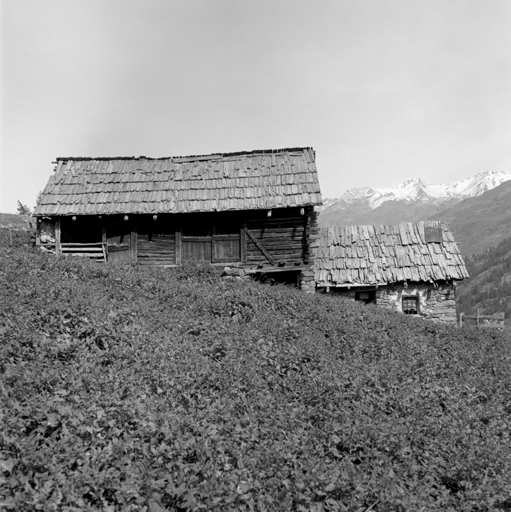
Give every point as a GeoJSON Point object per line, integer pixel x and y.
{"type": "Point", "coordinates": [410, 267]}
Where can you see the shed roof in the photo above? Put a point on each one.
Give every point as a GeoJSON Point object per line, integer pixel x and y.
{"type": "Point", "coordinates": [250, 180]}
{"type": "Point", "coordinates": [377, 255]}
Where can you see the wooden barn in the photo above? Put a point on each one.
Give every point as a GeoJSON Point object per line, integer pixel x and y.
{"type": "Point", "coordinates": [411, 268]}
{"type": "Point", "coordinates": [252, 211]}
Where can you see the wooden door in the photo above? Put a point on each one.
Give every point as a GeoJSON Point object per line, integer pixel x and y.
{"type": "Point", "coordinates": [118, 236]}
{"type": "Point", "coordinates": [226, 242]}
{"type": "Point", "coordinates": [212, 238]}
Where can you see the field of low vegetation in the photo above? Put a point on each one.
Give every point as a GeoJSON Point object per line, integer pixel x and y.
{"type": "Point", "coordinates": [127, 389]}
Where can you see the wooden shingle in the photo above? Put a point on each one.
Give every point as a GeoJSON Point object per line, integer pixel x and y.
{"type": "Point", "coordinates": [235, 181]}
{"type": "Point", "coordinates": [381, 255]}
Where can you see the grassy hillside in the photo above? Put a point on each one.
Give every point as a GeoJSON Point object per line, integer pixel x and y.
{"type": "Point", "coordinates": [128, 389]}
{"type": "Point", "coordinates": [14, 220]}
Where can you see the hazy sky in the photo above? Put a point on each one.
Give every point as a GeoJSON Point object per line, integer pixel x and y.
{"type": "Point", "coordinates": [383, 90]}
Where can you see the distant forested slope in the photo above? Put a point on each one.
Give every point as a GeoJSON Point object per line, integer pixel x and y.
{"type": "Point", "coordinates": [489, 286]}
{"type": "Point", "coordinates": [480, 222]}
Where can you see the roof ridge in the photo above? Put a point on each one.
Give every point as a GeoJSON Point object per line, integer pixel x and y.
{"type": "Point", "coordinates": [213, 155]}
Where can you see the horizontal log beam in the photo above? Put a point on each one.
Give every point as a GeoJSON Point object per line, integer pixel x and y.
{"type": "Point", "coordinates": [69, 250]}
{"type": "Point", "coordinates": [276, 220]}
{"type": "Point", "coordinates": [93, 244]}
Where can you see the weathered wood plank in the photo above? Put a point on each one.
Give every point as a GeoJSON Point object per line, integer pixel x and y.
{"type": "Point", "coordinates": [276, 220]}
{"type": "Point", "coordinates": [66, 250]}
{"type": "Point", "coordinates": [284, 233]}
{"type": "Point", "coordinates": [281, 244]}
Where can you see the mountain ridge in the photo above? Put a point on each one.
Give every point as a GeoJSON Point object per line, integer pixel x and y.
{"type": "Point", "coordinates": [408, 201]}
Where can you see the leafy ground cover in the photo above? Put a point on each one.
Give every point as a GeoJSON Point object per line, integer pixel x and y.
{"type": "Point", "coordinates": [158, 389]}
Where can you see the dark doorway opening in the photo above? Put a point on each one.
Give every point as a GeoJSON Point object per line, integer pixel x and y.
{"type": "Point", "coordinates": [367, 297]}
{"type": "Point", "coordinates": [288, 278]}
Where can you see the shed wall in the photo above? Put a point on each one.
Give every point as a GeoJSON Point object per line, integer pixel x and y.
{"type": "Point", "coordinates": [435, 302]}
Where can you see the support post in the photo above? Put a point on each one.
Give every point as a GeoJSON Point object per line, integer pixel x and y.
{"type": "Point", "coordinates": [243, 243]}
{"type": "Point", "coordinates": [178, 245]}
{"type": "Point", "coordinates": [58, 248]}
{"type": "Point", "coordinates": [133, 245]}
{"type": "Point", "coordinates": [38, 232]}
{"type": "Point", "coordinates": [104, 240]}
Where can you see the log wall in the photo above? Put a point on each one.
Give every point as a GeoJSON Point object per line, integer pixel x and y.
{"type": "Point", "coordinates": [248, 239]}
{"type": "Point", "coordinates": [283, 236]}
{"type": "Point", "coordinates": [156, 249]}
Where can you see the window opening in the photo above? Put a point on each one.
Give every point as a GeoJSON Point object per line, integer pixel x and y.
{"type": "Point", "coordinates": [411, 305]}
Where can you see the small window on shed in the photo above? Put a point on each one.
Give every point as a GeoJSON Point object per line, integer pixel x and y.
{"type": "Point", "coordinates": [411, 305]}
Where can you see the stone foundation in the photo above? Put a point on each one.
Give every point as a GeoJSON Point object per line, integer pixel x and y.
{"type": "Point", "coordinates": [436, 301]}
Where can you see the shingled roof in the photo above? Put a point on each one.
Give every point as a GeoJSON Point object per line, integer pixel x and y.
{"type": "Point", "coordinates": [378, 255]}
{"type": "Point", "coordinates": [230, 181]}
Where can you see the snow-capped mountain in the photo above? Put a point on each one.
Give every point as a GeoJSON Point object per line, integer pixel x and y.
{"type": "Point", "coordinates": [408, 201]}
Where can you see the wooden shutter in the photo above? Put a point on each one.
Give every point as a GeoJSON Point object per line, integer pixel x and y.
{"type": "Point", "coordinates": [226, 242]}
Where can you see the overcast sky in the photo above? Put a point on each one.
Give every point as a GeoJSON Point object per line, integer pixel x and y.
{"type": "Point", "coordinates": [383, 90]}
